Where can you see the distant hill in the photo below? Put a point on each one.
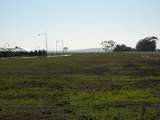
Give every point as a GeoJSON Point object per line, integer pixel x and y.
{"type": "Point", "coordinates": [89, 50]}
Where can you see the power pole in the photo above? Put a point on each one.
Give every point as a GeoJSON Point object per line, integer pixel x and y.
{"type": "Point", "coordinates": [46, 39]}
{"type": "Point", "coordinates": [62, 45]}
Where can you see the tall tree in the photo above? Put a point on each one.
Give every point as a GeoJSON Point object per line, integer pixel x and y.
{"type": "Point", "coordinates": [65, 49]}
{"type": "Point", "coordinates": [147, 44]}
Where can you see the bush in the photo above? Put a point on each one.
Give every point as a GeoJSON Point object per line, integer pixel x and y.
{"type": "Point", "coordinates": [121, 48]}
{"type": "Point", "coordinates": [19, 54]}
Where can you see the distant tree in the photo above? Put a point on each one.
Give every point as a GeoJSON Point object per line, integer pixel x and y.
{"type": "Point", "coordinates": [121, 48]}
{"type": "Point", "coordinates": [35, 53]}
{"type": "Point", "coordinates": [65, 49]}
{"type": "Point", "coordinates": [39, 53]}
{"type": "Point", "coordinates": [147, 44]}
{"type": "Point", "coordinates": [108, 46]}
{"type": "Point", "coordinates": [44, 52]}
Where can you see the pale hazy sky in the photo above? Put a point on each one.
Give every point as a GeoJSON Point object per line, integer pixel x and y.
{"type": "Point", "coordinates": [80, 23]}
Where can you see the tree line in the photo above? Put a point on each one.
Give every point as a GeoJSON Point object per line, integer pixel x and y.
{"type": "Point", "coordinates": [18, 53]}
{"type": "Point", "coordinates": [147, 44]}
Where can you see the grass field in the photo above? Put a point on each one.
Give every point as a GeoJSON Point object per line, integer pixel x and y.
{"type": "Point", "coordinates": [124, 86]}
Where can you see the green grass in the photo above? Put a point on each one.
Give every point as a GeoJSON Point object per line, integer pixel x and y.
{"type": "Point", "coordinates": [118, 86]}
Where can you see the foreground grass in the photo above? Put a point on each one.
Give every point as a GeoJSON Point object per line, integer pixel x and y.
{"type": "Point", "coordinates": [83, 87]}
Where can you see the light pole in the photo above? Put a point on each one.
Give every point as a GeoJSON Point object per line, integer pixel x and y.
{"type": "Point", "coordinates": [46, 41]}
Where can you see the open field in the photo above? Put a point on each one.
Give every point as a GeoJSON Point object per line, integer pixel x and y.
{"type": "Point", "coordinates": [124, 86]}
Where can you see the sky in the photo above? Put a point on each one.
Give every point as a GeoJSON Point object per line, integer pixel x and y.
{"type": "Point", "coordinates": [79, 23]}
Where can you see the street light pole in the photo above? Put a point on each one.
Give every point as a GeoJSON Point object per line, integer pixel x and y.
{"type": "Point", "coordinates": [46, 42]}
{"type": "Point", "coordinates": [56, 47]}
{"type": "Point", "coordinates": [62, 47]}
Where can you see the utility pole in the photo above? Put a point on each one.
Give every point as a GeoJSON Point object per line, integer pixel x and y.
{"type": "Point", "coordinates": [46, 39]}
{"type": "Point", "coordinates": [62, 45]}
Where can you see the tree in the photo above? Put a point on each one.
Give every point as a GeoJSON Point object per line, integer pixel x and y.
{"type": "Point", "coordinates": [44, 53]}
{"type": "Point", "coordinates": [121, 48]}
{"type": "Point", "coordinates": [108, 45]}
{"type": "Point", "coordinates": [147, 44]}
{"type": "Point", "coordinates": [65, 49]}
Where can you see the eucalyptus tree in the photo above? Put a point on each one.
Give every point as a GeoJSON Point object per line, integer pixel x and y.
{"type": "Point", "coordinates": [108, 46]}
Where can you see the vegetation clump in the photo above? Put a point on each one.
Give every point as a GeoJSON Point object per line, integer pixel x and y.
{"type": "Point", "coordinates": [20, 54]}
{"type": "Point", "coordinates": [147, 44]}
